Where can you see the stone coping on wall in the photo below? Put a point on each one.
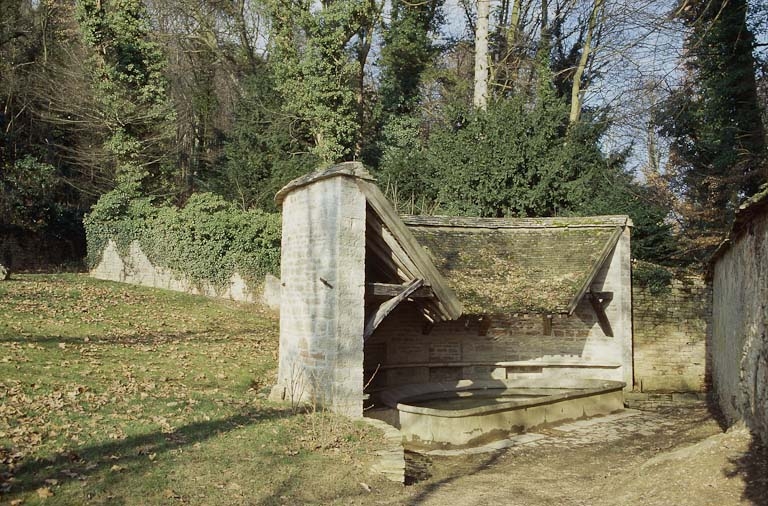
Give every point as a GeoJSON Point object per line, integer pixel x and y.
{"type": "Point", "coordinates": [752, 207]}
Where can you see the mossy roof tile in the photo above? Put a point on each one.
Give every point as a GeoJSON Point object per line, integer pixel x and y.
{"type": "Point", "coordinates": [512, 266]}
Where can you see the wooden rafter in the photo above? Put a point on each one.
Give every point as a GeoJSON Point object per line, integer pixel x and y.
{"type": "Point", "coordinates": [392, 290]}
{"type": "Point", "coordinates": [384, 309]}
{"type": "Point", "coordinates": [401, 239]}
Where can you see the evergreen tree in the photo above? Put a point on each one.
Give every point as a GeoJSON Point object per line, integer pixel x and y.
{"type": "Point", "coordinates": [264, 150]}
{"type": "Point", "coordinates": [512, 160]}
{"type": "Point", "coordinates": [615, 191]}
{"type": "Point", "coordinates": [714, 120]}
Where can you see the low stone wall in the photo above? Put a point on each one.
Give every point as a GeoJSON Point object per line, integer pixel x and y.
{"type": "Point", "coordinates": [739, 342]}
{"type": "Point", "coordinates": [135, 268]}
{"type": "Point", "coordinates": [650, 401]}
{"type": "Point", "coordinates": [670, 334]}
{"type": "Point", "coordinates": [390, 460]}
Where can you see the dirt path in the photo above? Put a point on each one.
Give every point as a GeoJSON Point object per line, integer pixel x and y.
{"type": "Point", "coordinates": [676, 457]}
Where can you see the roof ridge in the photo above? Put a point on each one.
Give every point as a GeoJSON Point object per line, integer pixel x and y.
{"type": "Point", "coordinates": [493, 223]}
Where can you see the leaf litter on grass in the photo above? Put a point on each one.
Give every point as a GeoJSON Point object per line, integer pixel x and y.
{"type": "Point", "coordinates": [106, 388]}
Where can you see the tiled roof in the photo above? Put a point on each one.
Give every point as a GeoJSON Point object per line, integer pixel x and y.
{"type": "Point", "coordinates": [509, 265]}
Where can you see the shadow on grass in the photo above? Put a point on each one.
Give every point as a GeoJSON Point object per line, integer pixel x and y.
{"type": "Point", "coordinates": [210, 335]}
{"type": "Point", "coordinates": [130, 454]}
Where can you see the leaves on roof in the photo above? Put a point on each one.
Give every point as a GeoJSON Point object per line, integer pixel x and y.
{"type": "Point", "coordinates": [515, 270]}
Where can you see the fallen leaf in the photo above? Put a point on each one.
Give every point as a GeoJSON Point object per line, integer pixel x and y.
{"type": "Point", "coordinates": [117, 469]}
{"type": "Point", "coordinates": [44, 493]}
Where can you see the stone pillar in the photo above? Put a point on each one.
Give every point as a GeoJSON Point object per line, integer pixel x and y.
{"type": "Point", "coordinates": [623, 300]}
{"type": "Point", "coordinates": [616, 277]}
{"type": "Point", "coordinates": [322, 296]}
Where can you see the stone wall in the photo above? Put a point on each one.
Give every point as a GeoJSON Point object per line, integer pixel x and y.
{"type": "Point", "coordinates": [402, 350]}
{"type": "Point", "coordinates": [135, 268]}
{"type": "Point", "coordinates": [670, 331]}
{"type": "Point", "coordinates": [739, 342]}
{"type": "Point", "coordinates": [323, 287]}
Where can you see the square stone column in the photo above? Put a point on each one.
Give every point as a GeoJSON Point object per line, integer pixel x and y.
{"type": "Point", "coordinates": [322, 296]}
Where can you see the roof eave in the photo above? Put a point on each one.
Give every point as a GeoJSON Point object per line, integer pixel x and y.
{"type": "Point", "coordinates": [448, 305]}
{"type": "Point", "coordinates": [604, 254]}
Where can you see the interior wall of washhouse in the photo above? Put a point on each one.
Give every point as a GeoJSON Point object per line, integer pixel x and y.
{"type": "Point", "coordinates": [407, 349]}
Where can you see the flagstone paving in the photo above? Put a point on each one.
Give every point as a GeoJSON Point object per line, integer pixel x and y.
{"type": "Point", "coordinates": [600, 429]}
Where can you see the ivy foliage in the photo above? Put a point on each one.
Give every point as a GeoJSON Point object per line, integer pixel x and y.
{"type": "Point", "coordinates": [314, 72]}
{"type": "Point", "coordinates": [209, 239]}
{"type": "Point", "coordinates": [130, 89]}
{"type": "Point", "coordinates": [713, 121]}
{"type": "Point", "coordinates": [656, 279]}
{"type": "Point", "coordinates": [408, 49]}
{"type": "Point", "coordinates": [27, 189]}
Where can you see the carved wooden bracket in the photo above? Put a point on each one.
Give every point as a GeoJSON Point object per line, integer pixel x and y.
{"type": "Point", "coordinates": [599, 301]}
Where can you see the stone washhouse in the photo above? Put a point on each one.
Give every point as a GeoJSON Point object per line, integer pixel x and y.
{"type": "Point", "coordinates": [372, 300]}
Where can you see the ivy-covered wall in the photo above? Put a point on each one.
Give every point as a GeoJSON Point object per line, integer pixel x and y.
{"type": "Point", "coordinates": [204, 244]}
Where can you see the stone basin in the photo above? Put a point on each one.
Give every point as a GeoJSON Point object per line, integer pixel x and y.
{"type": "Point", "coordinates": [466, 412]}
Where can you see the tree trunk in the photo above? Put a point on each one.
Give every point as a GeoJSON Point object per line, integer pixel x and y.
{"type": "Point", "coordinates": [480, 99]}
{"type": "Point", "coordinates": [576, 91]}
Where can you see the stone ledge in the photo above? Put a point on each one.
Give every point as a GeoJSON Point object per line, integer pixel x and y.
{"type": "Point", "coordinates": [390, 461]}
{"type": "Point", "coordinates": [656, 400]}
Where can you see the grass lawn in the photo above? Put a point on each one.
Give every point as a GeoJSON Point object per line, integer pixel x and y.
{"type": "Point", "coordinates": [117, 394]}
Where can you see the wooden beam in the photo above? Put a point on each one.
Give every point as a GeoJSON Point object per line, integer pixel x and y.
{"type": "Point", "coordinates": [386, 248]}
{"type": "Point", "coordinates": [392, 290]}
{"type": "Point", "coordinates": [612, 242]}
{"type": "Point", "coordinates": [449, 304]}
{"type": "Point", "coordinates": [599, 301]}
{"type": "Point", "coordinates": [546, 324]}
{"type": "Point", "coordinates": [383, 310]}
